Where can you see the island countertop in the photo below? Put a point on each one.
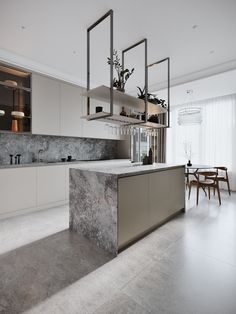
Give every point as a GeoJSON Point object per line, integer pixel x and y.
{"type": "Point", "coordinates": [127, 169]}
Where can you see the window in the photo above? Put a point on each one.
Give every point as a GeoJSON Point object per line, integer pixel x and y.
{"type": "Point", "coordinates": [212, 142]}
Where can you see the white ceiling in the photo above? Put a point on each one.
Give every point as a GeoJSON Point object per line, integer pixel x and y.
{"type": "Point", "coordinates": [50, 36]}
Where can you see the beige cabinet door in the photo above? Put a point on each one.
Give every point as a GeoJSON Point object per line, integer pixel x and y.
{"type": "Point", "coordinates": [166, 194]}
{"type": "Point", "coordinates": [45, 105]}
{"type": "Point", "coordinates": [17, 189]}
{"type": "Point", "coordinates": [71, 110]}
{"type": "Point", "coordinates": [133, 212]}
{"type": "Point", "coordinates": [51, 182]}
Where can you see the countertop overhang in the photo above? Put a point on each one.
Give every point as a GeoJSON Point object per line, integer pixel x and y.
{"type": "Point", "coordinates": [126, 169]}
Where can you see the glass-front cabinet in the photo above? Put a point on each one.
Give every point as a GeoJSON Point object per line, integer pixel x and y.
{"type": "Point", "coordinates": [15, 99]}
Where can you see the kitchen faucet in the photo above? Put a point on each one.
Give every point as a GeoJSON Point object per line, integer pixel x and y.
{"type": "Point", "coordinates": [38, 158]}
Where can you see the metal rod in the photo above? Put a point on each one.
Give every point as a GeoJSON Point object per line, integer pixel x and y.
{"type": "Point", "coordinates": [168, 91]}
{"type": "Point", "coordinates": [146, 82]}
{"type": "Point", "coordinates": [157, 62]}
{"type": "Point", "coordinates": [168, 86]}
{"type": "Point", "coordinates": [111, 65]}
{"type": "Point", "coordinates": [145, 69]}
{"type": "Point", "coordinates": [109, 13]}
{"type": "Point", "coordinates": [88, 70]}
{"type": "Point", "coordinates": [135, 45]}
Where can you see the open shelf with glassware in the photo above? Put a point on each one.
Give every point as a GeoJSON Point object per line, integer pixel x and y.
{"type": "Point", "coordinates": [15, 100]}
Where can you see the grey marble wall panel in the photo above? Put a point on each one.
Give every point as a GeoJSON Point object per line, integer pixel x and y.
{"type": "Point", "coordinates": [93, 207]}
{"type": "Point", "coordinates": [55, 147]}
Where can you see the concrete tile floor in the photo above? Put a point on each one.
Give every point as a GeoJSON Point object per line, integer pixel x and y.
{"type": "Point", "coordinates": [186, 266]}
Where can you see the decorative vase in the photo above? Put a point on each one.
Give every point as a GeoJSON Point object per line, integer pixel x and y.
{"type": "Point", "coordinates": [189, 164]}
{"type": "Point", "coordinates": [14, 125]}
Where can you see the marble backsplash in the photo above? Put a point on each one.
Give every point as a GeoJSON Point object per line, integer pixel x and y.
{"type": "Point", "coordinates": [55, 147]}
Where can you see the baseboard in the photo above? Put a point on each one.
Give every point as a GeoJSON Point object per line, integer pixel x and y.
{"type": "Point", "coordinates": [32, 209]}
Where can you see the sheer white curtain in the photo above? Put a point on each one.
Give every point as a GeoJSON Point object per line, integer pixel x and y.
{"type": "Point", "coordinates": [213, 142]}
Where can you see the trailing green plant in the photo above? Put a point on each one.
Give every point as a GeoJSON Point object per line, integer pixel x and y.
{"type": "Point", "coordinates": [122, 75]}
{"type": "Point", "coordinates": [152, 98]}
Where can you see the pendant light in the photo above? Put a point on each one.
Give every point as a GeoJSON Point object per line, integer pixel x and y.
{"type": "Point", "coordinates": [190, 114]}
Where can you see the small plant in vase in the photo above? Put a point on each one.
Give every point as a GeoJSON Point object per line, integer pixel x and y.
{"type": "Point", "coordinates": [188, 152]}
{"type": "Point", "coordinates": [122, 75]}
{"type": "Point", "coordinates": [152, 98]}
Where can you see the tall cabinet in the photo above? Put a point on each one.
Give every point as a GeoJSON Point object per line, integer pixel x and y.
{"type": "Point", "coordinates": [45, 105]}
{"type": "Point", "coordinates": [57, 108]}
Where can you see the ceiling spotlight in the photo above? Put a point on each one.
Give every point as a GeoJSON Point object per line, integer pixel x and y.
{"type": "Point", "coordinates": [195, 26]}
{"type": "Point", "coordinates": [23, 27]}
{"type": "Point", "coordinates": [212, 51]}
{"type": "Point", "coordinates": [75, 52]}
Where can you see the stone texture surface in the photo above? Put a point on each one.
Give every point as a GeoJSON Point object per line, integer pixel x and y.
{"type": "Point", "coordinates": [93, 207]}
{"type": "Point", "coordinates": [161, 273]}
{"type": "Point", "coordinates": [127, 169]}
{"type": "Point", "coordinates": [54, 147]}
{"type": "Point", "coordinates": [34, 272]}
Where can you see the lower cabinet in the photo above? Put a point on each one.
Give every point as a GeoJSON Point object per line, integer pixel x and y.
{"type": "Point", "coordinates": [51, 184]}
{"type": "Point", "coordinates": [144, 201]}
{"type": "Point", "coordinates": [17, 189]}
{"type": "Point", "coordinates": [32, 188]}
{"type": "Point", "coordinates": [132, 207]}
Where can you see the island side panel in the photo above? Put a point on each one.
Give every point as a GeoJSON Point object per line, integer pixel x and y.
{"type": "Point", "coordinates": [93, 207]}
{"type": "Point", "coordinates": [147, 201]}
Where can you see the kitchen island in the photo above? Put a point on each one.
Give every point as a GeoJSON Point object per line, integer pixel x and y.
{"type": "Point", "coordinates": [116, 205]}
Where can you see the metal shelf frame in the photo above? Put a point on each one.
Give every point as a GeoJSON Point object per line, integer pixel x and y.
{"type": "Point", "coordinates": [108, 115]}
{"type": "Point", "coordinates": [143, 41]}
{"type": "Point", "coordinates": [109, 14]}
{"type": "Point", "coordinates": [168, 85]}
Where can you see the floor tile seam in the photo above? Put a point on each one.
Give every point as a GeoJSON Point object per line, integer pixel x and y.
{"type": "Point", "coordinates": [109, 299]}
{"type": "Point", "coordinates": [135, 276]}
{"type": "Point", "coordinates": [144, 304]}
{"type": "Point", "coordinates": [139, 304]}
{"type": "Point", "coordinates": [210, 256]}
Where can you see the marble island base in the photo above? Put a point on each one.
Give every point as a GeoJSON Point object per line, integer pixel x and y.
{"type": "Point", "coordinates": [114, 206]}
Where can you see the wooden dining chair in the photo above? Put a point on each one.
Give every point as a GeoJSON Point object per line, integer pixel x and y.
{"type": "Point", "coordinates": [208, 180]}
{"type": "Point", "coordinates": [222, 175]}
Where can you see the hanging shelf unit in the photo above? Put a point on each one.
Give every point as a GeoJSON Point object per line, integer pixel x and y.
{"type": "Point", "coordinates": [112, 96]}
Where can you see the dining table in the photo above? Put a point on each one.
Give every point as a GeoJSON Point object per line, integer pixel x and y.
{"type": "Point", "coordinates": [193, 170]}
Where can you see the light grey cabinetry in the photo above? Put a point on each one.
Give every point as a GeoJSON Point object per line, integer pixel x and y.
{"type": "Point", "coordinates": [17, 189]}
{"type": "Point", "coordinates": [144, 201]}
{"type": "Point", "coordinates": [166, 194]}
{"type": "Point", "coordinates": [57, 108]}
{"type": "Point", "coordinates": [133, 207]}
{"type": "Point", "coordinates": [32, 188]}
{"type": "Point", "coordinates": [70, 110]}
{"type": "Point", "coordinates": [51, 184]}
{"type": "Point", "coordinates": [45, 105]}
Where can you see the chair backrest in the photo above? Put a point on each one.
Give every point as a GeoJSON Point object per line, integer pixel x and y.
{"type": "Point", "coordinates": [221, 168]}
{"type": "Point", "coordinates": [212, 175]}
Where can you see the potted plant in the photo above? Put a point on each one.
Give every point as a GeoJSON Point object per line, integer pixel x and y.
{"type": "Point", "coordinates": [122, 75]}
{"type": "Point", "coordinates": [152, 98]}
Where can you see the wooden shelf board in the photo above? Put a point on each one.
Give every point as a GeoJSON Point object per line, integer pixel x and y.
{"type": "Point", "coordinates": [102, 93]}
{"type": "Point", "coordinates": [15, 87]}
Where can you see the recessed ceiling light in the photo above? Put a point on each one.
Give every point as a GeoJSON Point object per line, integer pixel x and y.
{"type": "Point", "coordinates": [195, 26]}
{"type": "Point", "coordinates": [211, 52]}
{"type": "Point", "coordinates": [75, 52]}
{"type": "Point", "coordinates": [23, 27]}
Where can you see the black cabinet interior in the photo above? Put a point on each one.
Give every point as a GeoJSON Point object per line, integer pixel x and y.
{"type": "Point", "coordinates": [15, 96]}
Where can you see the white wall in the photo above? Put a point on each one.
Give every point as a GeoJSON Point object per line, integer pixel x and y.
{"type": "Point", "coordinates": [213, 86]}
